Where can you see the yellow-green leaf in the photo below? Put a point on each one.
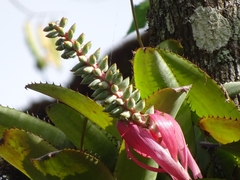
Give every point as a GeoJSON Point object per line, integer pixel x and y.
{"type": "Point", "coordinates": [222, 129]}
{"type": "Point", "coordinates": [69, 164]}
{"type": "Point", "coordinates": [18, 146]}
{"type": "Point", "coordinates": [81, 103]}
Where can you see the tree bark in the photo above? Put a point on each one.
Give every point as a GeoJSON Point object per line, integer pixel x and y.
{"type": "Point", "coordinates": [207, 29]}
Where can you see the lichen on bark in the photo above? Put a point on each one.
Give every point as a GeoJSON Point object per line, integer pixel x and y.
{"type": "Point", "coordinates": [210, 59]}
{"type": "Point", "coordinates": [211, 30]}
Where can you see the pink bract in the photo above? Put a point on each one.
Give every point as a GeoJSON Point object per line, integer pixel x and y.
{"type": "Point", "coordinates": [163, 142]}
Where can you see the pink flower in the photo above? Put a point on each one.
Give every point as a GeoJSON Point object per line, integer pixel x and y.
{"type": "Point", "coordinates": [163, 142]}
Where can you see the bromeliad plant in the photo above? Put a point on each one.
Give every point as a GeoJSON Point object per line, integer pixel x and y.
{"type": "Point", "coordinates": [127, 131]}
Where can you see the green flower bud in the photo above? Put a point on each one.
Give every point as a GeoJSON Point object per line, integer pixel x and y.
{"type": "Point", "coordinates": [63, 22]}
{"type": "Point", "coordinates": [88, 69]}
{"type": "Point", "coordinates": [79, 71]}
{"type": "Point", "coordinates": [70, 34]}
{"type": "Point", "coordinates": [103, 64]}
{"type": "Point", "coordinates": [126, 114]}
{"type": "Point", "coordinates": [140, 106]}
{"type": "Point", "coordinates": [80, 39]}
{"type": "Point", "coordinates": [48, 28]}
{"type": "Point", "coordinates": [73, 27]}
{"type": "Point", "coordinates": [68, 44]}
{"type": "Point", "coordinates": [117, 79]}
{"type": "Point", "coordinates": [71, 54]}
{"type": "Point", "coordinates": [117, 110]}
{"type": "Point", "coordinates": [119, 101]}
{"type": "Point", "coordinates": [83, 59]}
{"type": "Point", "coordinates": [127, 93]}
{"type": "Point", "coordinates": [86, 47]}
{"type": "Point", "coordinates": [88, 79]}
{"type": "Point", "coordinates": [77, 66]}
{"type": "Point", "coordinates": [60, 48]}
{"type": "Point", "coordinates": [102, 95]}
{"type": "Point", "coordinates": [92, 60]}
{"type": "Point", "coordinates": [97, 92]}
{"type": "Point", "coordinates": [130, 103]}
{"type": "Point", "coordinates": [94, 85]}
{"type": "Point", "coordinates": [150, 110]}
{"type": "Point", "coordinates": [76, 45]}
{"type": "Point", "coordinates": [64, 55]}
{"type": "Point", "coordinates": [59, 42]}
{"type": "Point", "coordinates": [103, 85]}
{"type": "Point", "coordinates": [124, 84]}
{"type": "Point", "coordinates": [114, 89]}
{"type": "Point", "coordinates": [113, 68]}
{"type": "Point", "coordinates": [110, 107]}
{"type": "Point", "coordinates": [97, 53]}
{"type": "Point", "coordinates": [136, 116]}
{"type": "Point", "coordinates": [135, 95]}
{"type": "Point", "coordinates": [110, 73]}
{"type": "Point", "coordinates": [109, 76]}
{"type": "Point", "coordinates": [97, 72]}
{"type": "Point", "coordinates": [110, 99]}
{"type": "Point", "coordinates": [52, 34]}
{"type": "Point", "coordinates": [61, 31]}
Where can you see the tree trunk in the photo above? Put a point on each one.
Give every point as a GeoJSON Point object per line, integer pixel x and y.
{"type": "Point", "coordinates": [207, 29]}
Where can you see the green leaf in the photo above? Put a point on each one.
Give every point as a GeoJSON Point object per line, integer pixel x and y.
{"type": "Point", "coordinates": [156, 69]}
{"type": "Point", "coordinates": [222, 129]}
{"type": "Point", "coordinates": [205, 96]}
{"type": "Point", "coordinates": [141, 12]}
{"type": "Point", "coordinates": [81, 103]}
{"type": "Point", "coordinates": [167, 100]}
{"type": "Point", "coordinates": [233, 88]}
{"type": "Point", "coordinates": [71, 164]}
{"type": "Point", "coordinates": [77, 128]}
{"type": "Point", "coordinates": [171, 45]}
{"type": "Point", "coordinates": [10, 118]}
{"type": "Point", "coordinates": [18, 146]}
{"type": "Point", "coordinates": [151, 73]}
{"type": "Point", "coordinates": [233, 148]}
{"type": "Point", "coordinates": [128, 169]}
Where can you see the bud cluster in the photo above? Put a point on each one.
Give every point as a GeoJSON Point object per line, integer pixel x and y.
{"type": "Point", "coordinates": [117, 94]}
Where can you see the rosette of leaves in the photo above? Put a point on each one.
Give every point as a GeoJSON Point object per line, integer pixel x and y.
{"type": "Point", "coordinates": [84, 143]}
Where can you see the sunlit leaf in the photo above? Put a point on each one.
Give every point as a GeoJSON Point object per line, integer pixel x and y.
{"type": "Point", "coordinates": [171, 45]}
{"type": "Point", "coordinates": [222, 129]}
{"type": "Point", "coordinates": [79, 102]}
{"type": "Point", "coordinates": [156, 69]}
{"type": "Point", "coordinates": [72, 165]}
{"type": "Point", "coordinates": [151, 73]}
{"type": "Point", "coordinates": [199, 96]}
{"type": "Point", "coordinates": [17, 147]}
{"type": "Point", "coordinates": [167, 100]}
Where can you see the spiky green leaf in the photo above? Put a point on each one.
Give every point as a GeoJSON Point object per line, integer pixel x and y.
{"type": "Point", "coordinates": [18, 146]}
{"type": "Point", "coordinates": [222, 129]}
{"type": "Point", "coordinates": [71, 164]}
{"type": "Point", "coordinates": [79, 102]}
{"type": "Point", "coordinates": [10, 118]}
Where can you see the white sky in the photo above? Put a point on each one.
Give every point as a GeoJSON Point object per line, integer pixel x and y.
{"type": "Point", "coordinates": [104, 22]}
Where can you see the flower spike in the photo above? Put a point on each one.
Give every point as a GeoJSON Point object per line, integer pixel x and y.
{"type": "Point", "coordinates": [152, 134]}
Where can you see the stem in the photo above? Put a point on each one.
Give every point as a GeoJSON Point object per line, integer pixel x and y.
{"type": "Point", "coordinates": [83, 133]}
{"type": "Point", "coordinates": [136, 24]}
